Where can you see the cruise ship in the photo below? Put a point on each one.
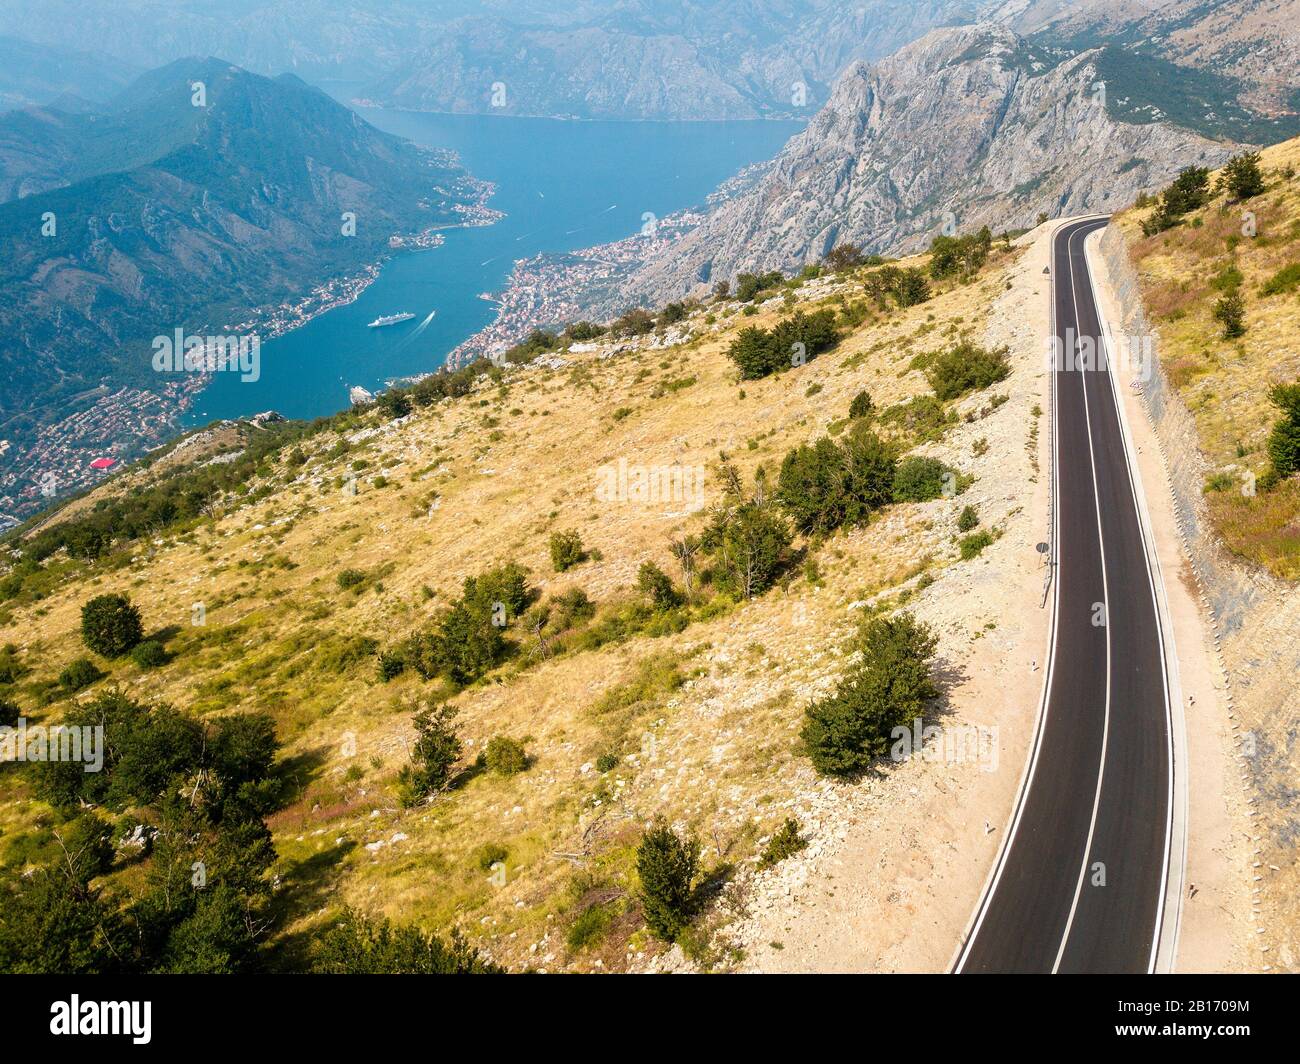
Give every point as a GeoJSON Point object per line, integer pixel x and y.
{"type": "Point", "coordinates": [391, 319]}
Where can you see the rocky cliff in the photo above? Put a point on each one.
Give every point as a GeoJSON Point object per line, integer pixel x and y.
{"type": "Point", "coordinates": [968, 126]}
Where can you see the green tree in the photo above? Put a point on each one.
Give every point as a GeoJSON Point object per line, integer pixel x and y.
{"type": "Point", "coordinates": [861, 406]}
{"type": "Point", "coordinates": [844, 257]}
{"type": "Point", "coordinates": [966, 367]}
{"type": "Point", "coordinates": [888, 687]}
{"type": "Point", "coordinates": [749, 544]}
{"type": "Point", "coordinates": [86, 845]}
{"type": "Point", "coordinates": [657, 586]}
{"type": "Point", "coordinates": [1284, 440]}
{"type": "Point", "coordinates": [434, 754]}
{"type": "Point", "coordinates": [1241, 176]}
{"type": "Point", "coordinates": [80, 673]}
{"type": "Point", "coordinates": [1230, 312]}
{"type": "Point", "coordinates": [54, 924]}
{"type": "Point", "coordinates": [812, 486]}
{"type": "Point", "coordinates": [566, 550]}
{"type": "Point", "coordinates": [110, 625]}
{"type": "Point", "coordinates": [667, 866]}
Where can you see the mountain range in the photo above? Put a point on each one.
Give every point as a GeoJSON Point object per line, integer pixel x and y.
{"type": "Point", "coordinates": [968, 126]}
{"type": "Point", "coordinates": [201, 196]}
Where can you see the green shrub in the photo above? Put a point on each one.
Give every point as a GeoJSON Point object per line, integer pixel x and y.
{"type": "Point", "coordinates": [1287, 279]}
{"type": "Point", "coordinates": [359, 945]}
{"type": "Point", "coordinates": [87, 846]}
{"type": "Point", "coordinates": [959, 254]}
{"type": "Point", "coordinates": [505, 756]}
{"type": "Point", "coordinates": [667, 866]}
{"type": "Point", "coordinates": [825, 485]}
{"type": "Point", "coordinates": [590, 926]}
{"type": "Point", "coordinates": [966, 367]}
{"type": "Point", "coordinates": [887, 688]}
{"type": "Point", "coordinates": [918, 479]}
{"type": "Point", "coordinates": [657, 586]}
{"type": "Point", "coordinates": [785, 842]}
{"type": "Point", "coordinates": [749, 545]}
{"type": "Point", "coordinates": [79, 674]}
{"type": "Point", "coordinates": [566, 550]}
{"type": "Point", "coordinates": [968, 520]}
{"type": "Point", "coordinates": [972, 545]}
{"type": "Point", "coordinates": [792, 341]}
{"type": "Point", "coordinates": [150, 654]}
{"type": "Point", "coordinates": [110, 625]}
{"type": "Point", "coordinates": [604, 763]}
{"type": "Point", "coordinates": [861, 406]}
{"type": "Point", "coordinates": [350, 578]}
{"type": "Point", "coordinates": [491, 853]}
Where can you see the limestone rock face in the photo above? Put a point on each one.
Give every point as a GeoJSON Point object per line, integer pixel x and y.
{"type": "Point", "coordinates": [968, 126]}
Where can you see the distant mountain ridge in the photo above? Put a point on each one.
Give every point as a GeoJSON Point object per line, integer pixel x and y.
{"type": "Point", "coordinates": [155, 214]}
{"type": "Point", "coordinates": [967, 127]}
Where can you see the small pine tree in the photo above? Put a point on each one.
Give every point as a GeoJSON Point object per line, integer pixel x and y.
{"type": "Point", "coordinates": [110, 625]}
{"type": "Point", "coordinates": [1284, 440]}
{"type": "Point", "coordinates": [862, 406]}
{"type": "Point", "coordinates": [667, 866]}
{"type": "Point", "coordinates": [1241, 177]}
{"type": "Point", "coordinates": [434, 754]}
{"type": "Point", "coordinates": [1230, 312]}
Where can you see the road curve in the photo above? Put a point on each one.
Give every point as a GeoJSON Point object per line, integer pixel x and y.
{"type": "Point", "coordinates": [1080, 883]}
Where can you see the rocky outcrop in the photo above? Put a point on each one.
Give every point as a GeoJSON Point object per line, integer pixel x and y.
{"type": "Point", "coordinates": [966, 127]}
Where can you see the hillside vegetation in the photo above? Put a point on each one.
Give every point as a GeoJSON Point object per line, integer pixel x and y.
{"type": "Point", "coordinates": [538, 659]}
{"type": "Point", "coordinates": [1220, 272]}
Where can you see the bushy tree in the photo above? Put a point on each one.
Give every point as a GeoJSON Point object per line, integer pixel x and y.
{"type": "Point", "coordinates": [86, 846]}
{"type": "Point", "coordinates": [1230, 312]}
{"type": "Point", "coordinates": [566, 550]}
{"type": "Point", "coordinates": [394, 403]}
{"type": "Point", "coordinates": [966, 367]}
{"type": "Point", "coordinates": [844, 257]}
{"type": "Point", "coordinates": [959, 254]}
{"type": "Point", "coordinates": [749, 545]}
{"type": "Point", "coordinates": [1241, 176]}
{"type": "Point", "coordinates": [667, 866]}
{"type": "Point", "coordinates": [657, 586]}
{"type": "Point", "coordinates": [110, 625]}
{"type": "Point", "coordinates": [888, 687]}
{"type": "Point", "coordinates": [434, 754]}
{"type": "Point", "coordinates": [813, 487]}
{"type": "Point", "coordinates": [634, 322]}
{"type": "Point", "coordinates": [1189, 191]}
{"type": "Point", "coordinates": [1284, 440]}
{"type": "Point", "coordinates": [791, 341]}
{"type": "Point", "coordinates": [919, 478]}
{"type": "Point", "coordinates": [861, 406]}
{"type": "Point", "coordinates": [505, 756]}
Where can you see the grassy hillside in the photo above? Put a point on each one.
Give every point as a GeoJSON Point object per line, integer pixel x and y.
{"type": "Point", "coordinates": [1225, 381]}
{"type": "Point", "coordinates": [339, 541]}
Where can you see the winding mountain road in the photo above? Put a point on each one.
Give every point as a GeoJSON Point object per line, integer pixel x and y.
{"type": "Point", "coordinates": [1083, 881]}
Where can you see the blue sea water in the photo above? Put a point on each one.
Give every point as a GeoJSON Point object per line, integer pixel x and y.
{"type": "Point", "coordinates": [563, 185]}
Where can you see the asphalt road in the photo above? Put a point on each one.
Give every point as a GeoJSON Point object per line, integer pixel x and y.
{"type": "Point", "coordinates": [1080, 881]}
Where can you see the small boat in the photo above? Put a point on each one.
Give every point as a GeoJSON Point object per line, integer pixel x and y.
{"type": "Point", "coordinates": [390, 319]}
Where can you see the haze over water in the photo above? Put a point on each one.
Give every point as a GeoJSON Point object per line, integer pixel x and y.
{"type": "Point", "coordinates": [562, 186]}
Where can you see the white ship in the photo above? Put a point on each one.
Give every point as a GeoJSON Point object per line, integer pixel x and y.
{"type": "Point", "coordinates": [390, 319]}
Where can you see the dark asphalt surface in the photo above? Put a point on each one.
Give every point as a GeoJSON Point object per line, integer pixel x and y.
{"type": "Point", "coordinates": [1079, 887]}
